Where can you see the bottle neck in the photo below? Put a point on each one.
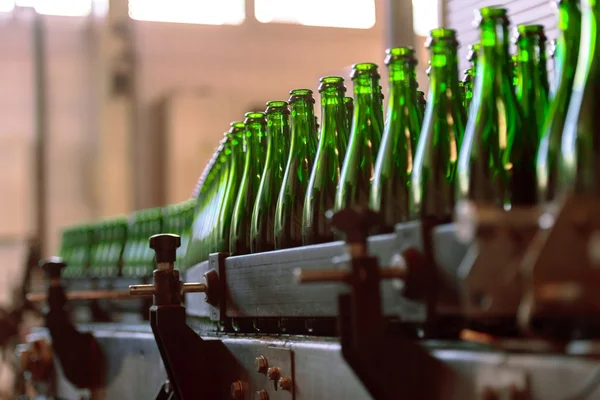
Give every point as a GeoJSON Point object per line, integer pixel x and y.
{"type": "Point", "coordinates": [302, 118]}
{"type": "Point", "coordinates": [403, 83]}
{"type": "Point", "coordinates": [444, 69]}
{"type": "Point", "coordinates": [494, 59]}
{"type": "Point", "coordinates": [531, 63]}
{"type": "Point", "coordinates": [332, 111]}
{"type": "Point", "coordinates": [276, 124]}
{"type": "Point", "coordinates": [567, 44]}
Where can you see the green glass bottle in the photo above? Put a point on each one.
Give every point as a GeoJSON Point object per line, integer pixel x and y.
{"type": "Point", "coordinates": [496, 162]}
{"type": "Point", "coordinates": [421, 104]}
{"type": "Point", "coordinates": [514, 71]}
{"type": "Point", "coordinates": [433, 182]}
{"type": "Point", "coordinates": [196, 250]}
{"type": "Point", "coordinates": [580, 158]}
{"type": "Point", "coordinates": [349, 103]}
{"type": "Point", "coordinates": [389, 191]}
{"type": "Point", "coordinates": [219, 197]}
{"type": "Point", "coordinates": [303, 146]}
{"type": "Point", "coordinates": [473, 55]}
{"type": "Point", "coordinates": [138, 257]}
{"type": "Point", "coordinates": [235, 137]}
{"type": "Point", "coordinates": [262, 225]}
{"type": "Point", "coordinates": [214, 183]}
{"type": "Point", "coordinates": [187, 217]}
{"type": "Point", "coordinates": [254, 161]}
{"type": "Point", "coordinates": [468, 80]}
{"type": "Point", "coordinates": [325, 174]}
{"type": "Point", "coordinates": [378, 97]}
{"type": "Point", "coordinates": [365, 137]}
{"type": "Point", "coordinates": [532, 79]}
{"type": "Point", "coordinates": [567, 51]}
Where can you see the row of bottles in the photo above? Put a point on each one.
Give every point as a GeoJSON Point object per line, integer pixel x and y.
{"type": "Point", "coordinates": [495, 137]}
{"type": "Point", "coordinates": [500, 136]}
{"type": "Point", "coordinates": [119, 246]}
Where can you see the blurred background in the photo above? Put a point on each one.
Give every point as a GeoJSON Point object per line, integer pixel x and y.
{"type": "Point", "coordinates": [108, 106]}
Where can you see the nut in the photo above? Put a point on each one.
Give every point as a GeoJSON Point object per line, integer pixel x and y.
{"type": "Point", "coordinates": [237, 390]}
{"type": "Point", "coordinates": [273, 373]}
{"type": "Point", "coordinates": [262, 395]}
{"type": "Point", "coordinates": [261, 364]}
{"type": "Point", "coordinates": [285, 383]}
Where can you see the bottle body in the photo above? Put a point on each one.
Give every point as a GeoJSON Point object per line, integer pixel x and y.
{"type": "Point", "coordinates": [262, 226]}
{"type": "Point", "coordinates": [390, 189]}
{"type": "Point", "coordinates": [365, 137]}
{"type": "Point", "coordinates": [254, 157]}
{"type": "Point", "coordinates": [567, 51]}
{"type": "Point", "coordinates": [580, 158]}
{"type": "Point", "coordinates": [496, 162]}
{"type": "Point", "coordinates": [290, 202]}
{"type": "Point", "coordinates": [433, 175]}
{"type": "Point", "coordinates": [325, 173]}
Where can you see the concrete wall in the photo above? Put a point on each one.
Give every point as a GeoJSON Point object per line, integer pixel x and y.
{"type": "Point", "coordinates": [234, 66]}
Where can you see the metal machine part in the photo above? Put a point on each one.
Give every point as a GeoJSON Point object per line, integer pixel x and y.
{"type": "Point", "coordinates": [470, 371]}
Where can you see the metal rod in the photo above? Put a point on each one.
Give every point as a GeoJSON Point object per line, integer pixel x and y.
{"type": "Point", "coordinates": [41, 125]}
{"type": "Point", "coordinates": [141, 290]}
{"type": "Point", "coordinates": [193, 288]}
{"type": "Point", "coordinates": [84, 295]}
{"type": "Point", "coordinates": [333, 275]}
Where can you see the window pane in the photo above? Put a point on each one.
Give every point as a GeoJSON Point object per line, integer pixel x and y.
{"type": "Point", "coordinates": [69, 8]}
{"type": "Point", "coordinates": [358, 14]}
{"type": "Point", "coordinates": [210, 12]}
{"type": "Point", "coordinates": [7, 5]}
{"type": "Point", "coordinates": [425, 16]}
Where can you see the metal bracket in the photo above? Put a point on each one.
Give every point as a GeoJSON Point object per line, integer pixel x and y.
{"type": "Point", "coordinates": [365, 346]}
{"type": "Point", "coordinates": [192, 364]}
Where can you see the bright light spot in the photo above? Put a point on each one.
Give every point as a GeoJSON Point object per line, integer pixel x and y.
{"type": "Point", "coordinates": [425, 16]}
{"type": "Point", "coordinates": [66, 8]}
{"type": "Point", "coordinates": [208, 12]}
{"type": "Point", "coordinates": [7, 6]}
{"type": "Point", "coordinates": [355, 14]}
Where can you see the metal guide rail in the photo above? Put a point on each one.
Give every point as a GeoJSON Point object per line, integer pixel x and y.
{"type": "Point", "coordinates": [418, 313]}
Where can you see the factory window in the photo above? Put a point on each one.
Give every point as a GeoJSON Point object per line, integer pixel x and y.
{"type": "Point", "coordinates": [425, 16]}
{"type": "Point", "coordinates": [357, 14]}
{"type": "Point", "coordinates": [209, 12]}
{"type": "Point", "coordinates": [69, 8]}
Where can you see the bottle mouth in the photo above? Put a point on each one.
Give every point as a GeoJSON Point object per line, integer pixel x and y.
{"type": "Point", "coordinates": [328, 82]}
{"type": "Point", "coordinates": [491, 13]}
{"type": "Point", "coordinates": [301, 94]}
{"type": "Point", "coordinates": [441, 35]}
{"type": "Point", "coordinates": [473, 51]}
{"type": "Point", "coordinates": [362, 69]}
{"type": "Point", "coordinates": [530, 31]}
{"type": "Point", "coordinates": [400, 53]}
{"type": "Point", "coordinates": [348, 100]}
{"type": "Point", "coordinates": [236, 126]}
{"type": "Point", "coordinates": [276, 106]}
{"type": "Point", "coordinates": [253, 117]}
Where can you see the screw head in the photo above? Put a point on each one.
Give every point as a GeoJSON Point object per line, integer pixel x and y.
{"type": "Point", "coordinates": [237, 390]}
{"type": "Point", "coordinates": [285, 383]}
{"type": "Point", "coordinates": [273, 373]}
{"type": "Point", "coordinates": [262, 395]}
{"type": "Point", "coordinates": [261, 364]}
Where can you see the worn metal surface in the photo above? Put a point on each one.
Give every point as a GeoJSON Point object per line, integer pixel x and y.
{"type": "Point", "coordinates": [319, 372]}
{"type": "Point", "coordinates": [263, 285]}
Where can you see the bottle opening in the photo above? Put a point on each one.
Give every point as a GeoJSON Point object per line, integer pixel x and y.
{"type": "Point", "coordinates": [491, 13]}
{"type": "Point", "coordinates": [530, 30]}
{"type": "Point", "coordinates": [301, 92]}
{"type": "Point", "coordinates": [332, 79]}
{"type": "Point", "coordinates": [276, 104]}
{"type": "Point", "coordinates": [400, 53]}
{"type": "Point", "coordinates": [236, 125]}
{"type": "Point", "coordinates": [254, 115]}
{"type": "Point", "coordinates": [363, 69]}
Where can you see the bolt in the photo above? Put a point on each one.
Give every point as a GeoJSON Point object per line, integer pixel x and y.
{"type": "Point", "coordinates": [261, 364]}
{"type": "Point", "coordinates": [285, 383]}
{"type": "Point", "coordinates": [273, 373]}
{"type": "Point", "coordinates": [237, 390]}
{"type": "Point", "coordinates": [262, 395]}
